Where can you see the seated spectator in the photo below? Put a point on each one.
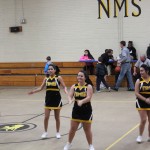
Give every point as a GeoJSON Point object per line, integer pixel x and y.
{"type": "Point", "coordinates": [138, 64]}
{"type": "Point", "coordinates": [148, 52]}
{"type": "Point", "coordinates": [132, 50]}
{"type": "Point", "coordinates": [89, 67]}
{"type": "Point", "coordinates": [107, 59]}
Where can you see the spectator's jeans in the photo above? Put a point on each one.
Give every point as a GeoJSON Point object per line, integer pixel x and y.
{"type": "Point", "coordinates": [125, 69]}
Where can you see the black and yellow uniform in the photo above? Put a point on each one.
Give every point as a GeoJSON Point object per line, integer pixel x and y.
{"type": "Point", "coordinates": [53, 97]}
{"type": "Point", "coordinates": [145, 92]}
{"type": "Point", "coordinates": [83, 113]}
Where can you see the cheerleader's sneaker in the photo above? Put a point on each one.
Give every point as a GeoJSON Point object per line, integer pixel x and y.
{"type": "Point", "coordinates": [67, 146]}
{"type": "Point", "coordinates": [58, 136]}
{"type": "Point", "coordinates": [91, 147]}
{"type": "Point", "coordinates": [139, 139]}
{"type": "Point", "coordinates": [44, 135]}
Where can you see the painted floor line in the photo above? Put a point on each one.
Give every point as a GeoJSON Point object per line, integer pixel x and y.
{"type": "Point", "coordinates": [122, 137]}
{"type": "Point", "coordinates": [98, 101]}
{"type": "Point", "coordinates": [113, 101]}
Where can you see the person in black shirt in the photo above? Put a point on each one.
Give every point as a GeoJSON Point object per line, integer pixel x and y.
{"type": "Point", "coordinates": [148, 52]}
{"type": "Point", "coordinates": [132, 50]}
{"type": "Point", "coordinates": [108, 55]}
{"type": "Point", "coordinates": [101, 71]}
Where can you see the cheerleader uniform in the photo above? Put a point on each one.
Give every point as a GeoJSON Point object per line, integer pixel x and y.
{"type": "Point", "coordinates": [145, 92]}
{"type": "Point", "coordinates": [81, 113]}
{"type": "Point", "coordinates": [53, 97]}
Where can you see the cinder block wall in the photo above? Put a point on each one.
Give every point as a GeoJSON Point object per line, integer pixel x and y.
{"type": "Point", "coordinates": [64, 28]}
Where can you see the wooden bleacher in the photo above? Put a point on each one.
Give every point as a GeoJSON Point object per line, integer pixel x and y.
{"type": "Point", "coordinates": [31, 73]}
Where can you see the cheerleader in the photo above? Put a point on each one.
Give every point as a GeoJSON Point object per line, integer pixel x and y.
{"type": "Point", "coordinates": [52, 98]}
{"type": "Point", "coordinates": [142, 92]}
{"type": "Point", "coordinates": [82, 109]}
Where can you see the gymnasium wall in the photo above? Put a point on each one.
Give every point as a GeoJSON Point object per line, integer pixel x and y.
{"type": "Point", "coordinates": [64, 28]}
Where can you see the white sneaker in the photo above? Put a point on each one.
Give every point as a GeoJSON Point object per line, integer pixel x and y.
{"type": "Point", "coordinates": [67, 146]}
{"type": "Point", "coordinates": [98, 91]}
{"type": "Point", "coordinates": [91, 147]}
{"type": "Point", "coordinates": [139, 139]}
{"type": "Point", "coordinates": [44, 135]}
{"type": "Point", "coordinates": [102, 86]}
{"type": "Point", "coordinates": [58, 136]}
{"type": "Point", "coordinates": [109, 89]}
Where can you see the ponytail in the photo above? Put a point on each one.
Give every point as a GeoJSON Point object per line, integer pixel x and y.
{"type": "Point", "coordinates": [56, 68]}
